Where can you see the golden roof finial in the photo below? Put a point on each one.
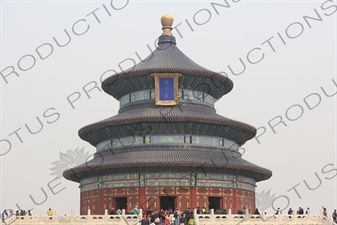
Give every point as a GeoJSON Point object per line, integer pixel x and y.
{"type": "Point", "coordinates": [166, 22]}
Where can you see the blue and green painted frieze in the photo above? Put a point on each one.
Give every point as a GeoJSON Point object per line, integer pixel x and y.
{"type": "Point", "coordinates": [168, 139]}
{"type": "Point", "coordinates": [182, 95]}
{"type": "Point", "coordinates": [172, 179]}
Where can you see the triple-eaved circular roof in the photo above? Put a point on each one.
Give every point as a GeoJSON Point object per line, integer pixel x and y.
{"type": "Point", "coordinates": [191, 118]}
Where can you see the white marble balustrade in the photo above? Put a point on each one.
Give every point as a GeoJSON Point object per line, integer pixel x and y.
{"type": "Point", "coordinates": [200, 219]}
{"type": "Point", "coordinates": [265, 219]}
{"type": "Point", "coordinates": [123, 219]}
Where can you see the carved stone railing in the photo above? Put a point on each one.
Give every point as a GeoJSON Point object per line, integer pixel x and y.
{"type": "Point", "coordinates": [10, 219]}
{"type": "Point", "coordinates": [200, 219]}
{"type": "Point", "coordinates": [244, 219]}
{"type": "Point", "coordinates": [123, 219]}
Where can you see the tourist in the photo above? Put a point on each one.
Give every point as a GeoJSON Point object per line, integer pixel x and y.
{"type": "Point", "coordinates": [224, 211]}
{"type": "Point", "coordinates": [50, 212]}
{"type": "Point", "coordinates": [148, 211]}
{"type": "Point", "coordinates": [218, 211]}
{"type": "Point", "coordinates": [308, 211]}
{"type": "Point", "coordinates": [290, 211]}
{"type": "Point", "coordinates": [203, 210]}
{"type": "Point", "coordinates": [176, 216]}
{"type": "Point", "coordinates": [4, 215]}
{"type": "Point", "coordinates": [145, 221]}
{"type": "Point", "coordinates": [119, 211]}
{"type": "Point", "coordinates": [300, 211]}
{"type": "Point", "coordinates": [256, 212]}
{"type": "Point", "coordinates": [198, 210]}
{"type": "Point", "coordinates": [325, 212]}
{"type": "Point", "coordinates": [156, 219]}
{"type": "Point", "coordinates": [17, 213]}
{"type": "Point", "coordinates": [162, 216]}
{"type": "Point", "coordinates": [135, 210]}
{"type": "Point", "coordinates": [187, 215]}
{"type": "Point", "coordinates": [29, 213]}
{"type": "Point", "coordinates": [334, 216]}
{"type": "Point", "coordinates": [167, 219]}
{"type": "Point", "coordinates": [182, 220]}
{"type": "Point", "coordinates": [191, 221]}
{"type": "Point", "coordinates": [278, 211]}
{"type": "Point", "coordinates": [152, 220]}
{"type": "Point", "coordinates": [112, 211]}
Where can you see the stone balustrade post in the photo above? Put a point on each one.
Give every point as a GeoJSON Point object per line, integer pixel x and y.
{"type": "Point", "coordinates": [230, 216]}
{"type": "Point", "coordinates": [263, 216]}
{"type": "Point", "coordinates": [123, 212]}
{"type": "Point", "coordinates": [140, 216]}
{"type": "Point", "coordinates": [106, 216]}
{"type": "Point", "coordinates": [41, 218]}
{"type": "Point", "coordinates": [279, 218]}
{"type": "Point", "coordinates": [294, 220]}
{"type": "Point", "coordinates": [212, 217]}
{"type": "Point", "coordinates": [89, 216]}
{"type": "Point", "coordinates": [55, 217]}
{"type": "Point", "coordinates": [72, 217]}
{"type": "Point", "coordinates": [246, 214]}
{"type": "Point", "coordinates": [195, 215]}
{"type": "Point", "coordinates": [308, 216]}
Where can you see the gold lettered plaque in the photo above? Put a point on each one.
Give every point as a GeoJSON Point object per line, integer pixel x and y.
{"type": "Point", "coordinates": [166, 88]}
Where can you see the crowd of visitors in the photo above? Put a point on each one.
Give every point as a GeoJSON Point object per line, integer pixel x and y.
{"type": "Point", "coordinates": [8, 213]}
{"type": "Point", "coordinates": [117, 212]}
{"type": "Point", "coordinates": [23, 213]}
{"type": "Point", "coordinates": [186, 217]}
{"type": "Point", "coordinates": [163, 217]}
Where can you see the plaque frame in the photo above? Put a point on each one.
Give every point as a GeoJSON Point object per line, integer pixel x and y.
{"type": "Point", "coordinates": [157, 77]}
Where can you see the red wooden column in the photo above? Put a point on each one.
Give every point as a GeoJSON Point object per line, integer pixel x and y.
{"type": "Point", "coordinates": [234, 208]}
{"type": "Point", "coordinates": [193, 198]}
{"type": "Point", "coordinates": [142, 199]}
{"type": "Point", "coordinates": [254, 203]}
{"type": "Point", "coordinates": [81, 203]}
{"type": "Point", "coordinates": [100, 205]}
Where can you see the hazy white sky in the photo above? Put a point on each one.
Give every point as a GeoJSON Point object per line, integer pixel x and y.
{"type": "Point", "coordinates": [286, 93]}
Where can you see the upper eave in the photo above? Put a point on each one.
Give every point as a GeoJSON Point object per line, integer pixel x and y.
{"type": "Point", "coordinates": [167, 58]}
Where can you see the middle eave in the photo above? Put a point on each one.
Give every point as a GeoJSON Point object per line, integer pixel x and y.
{"type": "Point", "coordinates": [197, 116]}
